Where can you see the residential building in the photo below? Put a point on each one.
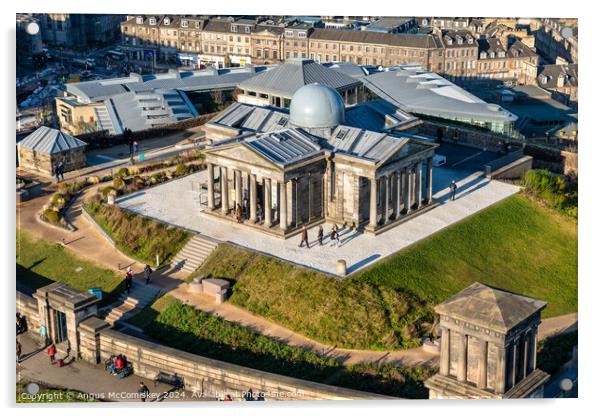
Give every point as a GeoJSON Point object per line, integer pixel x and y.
{"type": "Point", "coordinates": [392, 25]}
{"type": "Point", "coordinates": [562, 81]}
{"type": "Point", "coordinates": [267, 44]}
{"type": "Point", "coordinates": [296, 44]}
{"type": "Point", "coordinates": [515, 63]}
{"type": "Point", "coordinates": [79, 31]}
{"type": "Point", "coordinates": [461, 54]}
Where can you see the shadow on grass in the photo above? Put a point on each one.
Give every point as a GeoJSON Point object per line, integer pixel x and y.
{"type": "Point", "coordinates": [553, 352]}
{"type": "Point", "coordinates": [29, 281]}
{"type": "Point", "coordinates": [279, 358]}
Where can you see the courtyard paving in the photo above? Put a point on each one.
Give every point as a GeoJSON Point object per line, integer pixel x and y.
{"type": "Point", "coordinates": [178, 203]}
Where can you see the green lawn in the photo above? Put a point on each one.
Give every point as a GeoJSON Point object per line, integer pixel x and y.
{"type": "Point", "coordinates": [515, 244]}
{"type": "Point", "coordinates": [181, 326]}
{"type": "Point", "coordinates": [40, 262]}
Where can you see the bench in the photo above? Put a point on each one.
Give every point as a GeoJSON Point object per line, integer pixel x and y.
{"type": "Point", "coordinates": [169, 379]}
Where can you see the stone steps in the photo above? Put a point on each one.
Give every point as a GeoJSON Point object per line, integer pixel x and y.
{"type": "Point", "coordinates": [193, 254]}
{"type": "Point", "coordinates": [140, 296]}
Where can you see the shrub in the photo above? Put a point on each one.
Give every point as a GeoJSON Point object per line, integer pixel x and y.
{"type": "Point", "coordinates": [52, 216]}
{"type": "Point", "coordinates": [123, 172]}
{"type": "Point", "coordinates": [58, 200]}
{"type": "Point", "coordinates": [105, 191]}
{"type": "Point", "coordinates": [553, 190]}
{"type": "Point", "coordinates": [118, 183]}
{"type": "Point", "coordinates": [138, 182]}
{"type": "Point", "coordinates": [93, 180]}
{"type": "Point", "coordinates": [181, 169]}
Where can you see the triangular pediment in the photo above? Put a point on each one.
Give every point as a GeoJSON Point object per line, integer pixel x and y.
{"type": "Point", "coordinates": [242, 153]}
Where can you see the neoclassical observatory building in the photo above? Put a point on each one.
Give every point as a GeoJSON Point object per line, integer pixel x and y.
{"type": "Point", "coordinates": [316, 163]}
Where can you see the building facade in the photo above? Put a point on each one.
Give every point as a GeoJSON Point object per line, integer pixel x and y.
{"type": "Point", "coordinates": [284, 171]}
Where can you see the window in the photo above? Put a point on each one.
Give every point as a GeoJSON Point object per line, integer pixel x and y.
{"type": "Point", "coordinates": [139, 20]}
{"type": "Point", "coordinates": [288, 33]}
{"type": "Point", "coordinates": [247, 29]}
{"type": "Point", "coordinates": [233, 28]}
{"type": "Point", "coordinates": [166, 21]}
{"type": "Point", "coordinates": [152, 21]}
{"type": "Point", "coordinates": [184, 23]}
{"type": "Point", "coordinates": [302, 34]}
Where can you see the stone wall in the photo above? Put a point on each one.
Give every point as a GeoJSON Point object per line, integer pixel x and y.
{"type": "Point", "coordinates": [28, 307]}
{"type": "Point", "coordinates": [202, 375]}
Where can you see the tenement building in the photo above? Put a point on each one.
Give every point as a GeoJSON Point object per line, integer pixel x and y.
{"type": "Point", "coordinates": [488, 346]}
{"type": "Point", "coordinates": [276, 171]}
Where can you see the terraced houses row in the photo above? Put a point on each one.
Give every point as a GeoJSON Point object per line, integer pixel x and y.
{"type": "Point", "coordinates": [221, 42]}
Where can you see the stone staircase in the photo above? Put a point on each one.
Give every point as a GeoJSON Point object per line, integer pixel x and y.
{"type": "Point", "coordinates": [193, 254]}
{"type": "Point", "coordinates": [140, 295]}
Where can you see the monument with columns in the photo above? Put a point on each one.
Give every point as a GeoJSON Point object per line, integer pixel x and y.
{"type": "Point", "coordinates": [286, 170]}
{"type": "Point", "coordinates": [488, 346]}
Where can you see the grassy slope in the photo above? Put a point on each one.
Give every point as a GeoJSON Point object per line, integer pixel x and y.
{"type": "Point", "coordinates": [139, 237]}
{"type": "Point", "coordinates": [183, 327]}
{"type": "Point", "coordinates": [515, 244]}
{"type": "Point", "coordinates": [40, 263]}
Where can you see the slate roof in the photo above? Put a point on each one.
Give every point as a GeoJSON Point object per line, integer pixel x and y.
{"type": "Point", "coordinates": [285, 79]}
{"type": "Point", "coordinates": [548, 78]}
{"type": "Point", "coordinates": [490, 307]}
{"type": "Point", "coordinates": [368, 36]}
{"type": "Point", "coordinates": [48, 140]}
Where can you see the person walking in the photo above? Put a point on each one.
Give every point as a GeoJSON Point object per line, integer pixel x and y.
{"type": "Point", "coordinates": [57, 173]}
{"type": "Point", "coordinates": [62, 170]}
{"type": "Point", "coordinates": [452, 190]}
{"type": "Point", "coordinates": [456, 137]}
{"type": "Point", "coordinates": [147, 273]}
{"type": "Point", "coordinates": [143, 391]}
{"type": "Point", "coordinates": [19, 351]}
{"type": "Point", "coordinates": [304, 238]}
{"type": "Point", "coordinates": [334, 236]}
{"type": "Point", "coordinates": [135, 146]}
{"type": "Point", "coordinates": [239, 214]}
{"type": "Point", "coordinates": [51, 351]}
{"type": "Point", "coordinates": [320, 234]}
{"type": "Point", "coordinates": [129, 277]}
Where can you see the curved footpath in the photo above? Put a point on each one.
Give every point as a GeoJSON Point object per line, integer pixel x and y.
{"type": "Point", "coordinates": [87, 242]}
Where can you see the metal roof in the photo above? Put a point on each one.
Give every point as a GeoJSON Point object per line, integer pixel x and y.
{"type": "Point", "coordinates": [285, 79]}
{"type": "Point", "coordinates": [490, 307]}
{"type": "Point", "coordinates": [423, 92]}
{"type": "Point", "coordinates": [203, 80]}
{"type": "Point", "coordinates": [48, 140]}
{"type": "Point", "coordinates": [284, 147]}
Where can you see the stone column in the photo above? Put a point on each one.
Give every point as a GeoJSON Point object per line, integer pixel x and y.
{"type": "Point", "coordinates": [429, 180]}
{"type": "Point", "coordinates": [500, 377]}
{"type": "Point", "coordinates": [373, 205]}
{"type": "Point", "coordinates": [238, 177]}
{"type": "Point", "coordinates": [418, 185]}
{"type": "Point", "coordinates": [532, 358]}
{"type": "Point", "coordinates": [210, 193]}
{"type": "Point", "coordinates": [267, 204]}
{"type": "Point", "coordinates": [224, 190]}
{"type": "Point", "coordinates": [444, 357]}
{"type": "Point", "coordinates": [525, 353]}
{"type": "Point", "coordinates": [282, 205]}
{"type": "Point", "coordinates": [253, 198]}
{"type": "Point", "coordinates": [395, 179]}
{"type": "Point", "coordinates": [513, 362]}
{"type": "Point", "coordinates": [406, 190]}
{"type": "Point", "coordinates": [386, 217]}
{"type": "Point", "coordinates": [482, 375]}
{"type": "Point", "coordinates": [462, 358]}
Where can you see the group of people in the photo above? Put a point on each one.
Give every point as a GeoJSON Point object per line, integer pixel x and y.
{"type": "Point", "coordinates": [116, 364]}
{"type": "Point", "coordinates": [129, 276]}
{"type": "Point", "coordinates": [59, 171]}
{"type": "Point", "coordinates": [334, 236]}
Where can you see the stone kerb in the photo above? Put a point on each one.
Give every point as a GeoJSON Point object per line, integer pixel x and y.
{"type": "Point", "coordinates": [207, 376]}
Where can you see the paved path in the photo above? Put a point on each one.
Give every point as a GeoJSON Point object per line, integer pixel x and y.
{"type": "Point", "coordinates": [557, 325]}
{"type": "Point", "coordinates": [81, 376]}
{"type": "Point", "coordinates": [475, 192]}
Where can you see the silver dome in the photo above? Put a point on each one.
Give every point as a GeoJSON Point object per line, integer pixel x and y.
{"type": "Point", "coordinates": [317, 106]}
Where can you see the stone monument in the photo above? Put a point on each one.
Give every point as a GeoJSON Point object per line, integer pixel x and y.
{"type": "Point", "coordinates": [488, 346]}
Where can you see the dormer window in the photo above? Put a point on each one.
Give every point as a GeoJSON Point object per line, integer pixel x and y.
{"type": "Point", "coordinates": [197, 24]}
{"type": "Point", "coordinates": [448, 40]}
{"type": "Point", "coordinates": [483, 55]}
{"type": "Point", "coordinates": [139, 20]}
{"type": "Point", "coordinates": [459, 40]}
{"type": "Point", "coordinates": [501, 54]}
{"type": "Point", "coordinates": [233, 28]}
{"type": "Point", "coordinates": [302, 34]}
{"type": "Point", "coordinates": [152, 21]}
{"type": "Point", "coordinates": [184, 23]}
{"type": "Point", "coordinates": [492, 54]}
{"type": "Point", "coordinates": [288, 33]}
{"type": "Point", "coordinates": [469, 39]}
{"type": "Point", "coordinates": [166, 21]}
{"type": "Point", "coordinates": [247, 29]}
